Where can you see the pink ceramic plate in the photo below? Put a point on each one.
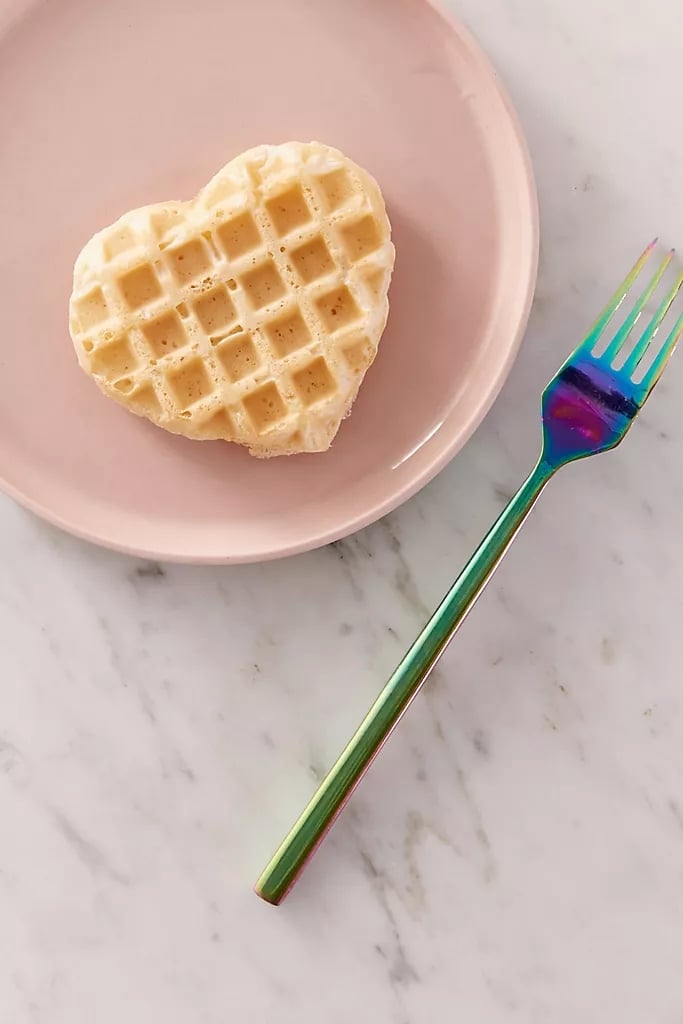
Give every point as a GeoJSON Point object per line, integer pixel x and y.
{"type": "Point", "coordinates": [106, 106]}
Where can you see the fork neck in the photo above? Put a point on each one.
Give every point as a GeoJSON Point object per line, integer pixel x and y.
{"type": "Point", "coordinates": [485, 559]}
{"type": "Point", "coordinates": [512, 517]}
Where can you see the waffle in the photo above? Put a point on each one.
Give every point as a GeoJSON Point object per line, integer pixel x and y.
{"type": "Point", "coordinates": [249, 314]}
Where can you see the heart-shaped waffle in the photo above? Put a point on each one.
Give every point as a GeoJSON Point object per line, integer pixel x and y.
{"type": "Point", "coordinates": [250, 313]}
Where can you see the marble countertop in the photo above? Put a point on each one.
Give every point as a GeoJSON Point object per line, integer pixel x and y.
{"type": "Point", "coordinates": [517, 852]}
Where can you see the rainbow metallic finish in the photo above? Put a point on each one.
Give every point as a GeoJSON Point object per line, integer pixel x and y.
{"type": "Point", "coordinates": [587, 408]}
{"type": "Point", "coordinates": [590, 404]}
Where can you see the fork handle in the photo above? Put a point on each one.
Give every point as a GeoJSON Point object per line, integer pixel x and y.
{"type": "Point", "coordinates": [335, 789]}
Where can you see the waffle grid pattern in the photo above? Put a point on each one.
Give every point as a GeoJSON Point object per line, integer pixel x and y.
{"type": "Point", "coordinates": [254, 317]}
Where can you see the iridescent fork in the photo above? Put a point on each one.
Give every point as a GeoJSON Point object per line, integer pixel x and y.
{"type": "Point", "coordinates": [587, 408]}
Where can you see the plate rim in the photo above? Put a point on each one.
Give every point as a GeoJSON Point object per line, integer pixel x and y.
{"type": "Point", "coordinates": [441, 459]}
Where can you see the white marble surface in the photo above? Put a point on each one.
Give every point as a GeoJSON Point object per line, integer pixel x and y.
{"type": "Point", "coordinates": [517, 852]}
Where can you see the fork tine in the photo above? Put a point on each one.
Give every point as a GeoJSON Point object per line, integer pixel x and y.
{"type": "Point", "coordinates": [662, 358]}
{"type": "Point", "coordinates": [618, 297]}
{"type": "Point", "coordinates": [648, 334]}
{"type": "Point", "coordinates": [629, 323]}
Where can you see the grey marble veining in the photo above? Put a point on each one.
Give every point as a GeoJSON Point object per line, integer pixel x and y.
{"type": "Point", "coordinates": [516, 852]}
